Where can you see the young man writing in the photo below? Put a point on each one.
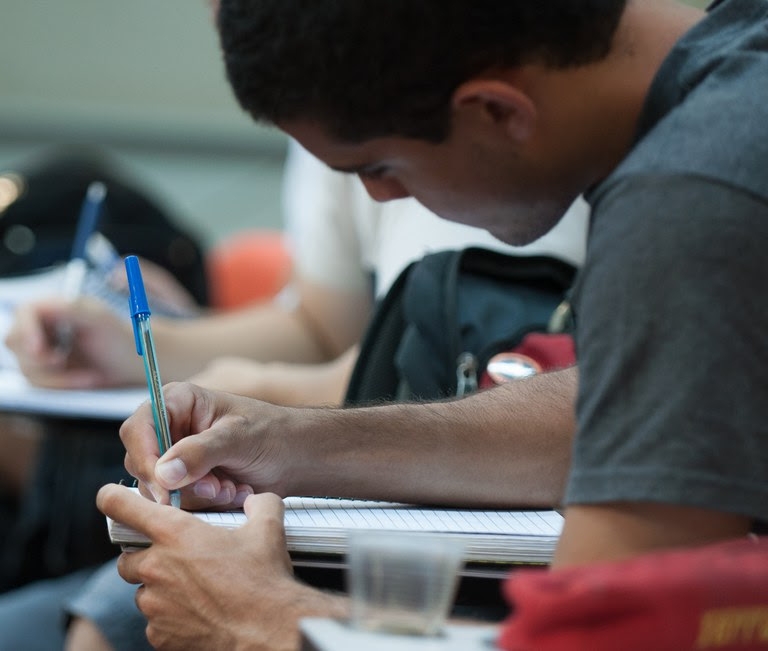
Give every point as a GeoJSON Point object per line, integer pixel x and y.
{"type": "Point", "coordinates": [498, 114]}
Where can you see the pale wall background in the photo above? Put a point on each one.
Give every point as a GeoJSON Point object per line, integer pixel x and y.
{"type": "Point", "coordinates": [143, 79]}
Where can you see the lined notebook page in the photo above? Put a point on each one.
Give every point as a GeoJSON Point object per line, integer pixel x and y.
{"type": "Point", "coordinates": [329, 513]}
{"type": "Point", "coordinates": [320, 526]}
{"type": "Point", "coordinates": [357, 514]}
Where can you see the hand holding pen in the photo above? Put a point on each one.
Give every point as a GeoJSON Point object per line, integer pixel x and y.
{"type": "Point", "coordinates": [63, 342]}
{"type": "Point", "coordinates": [95, 359]}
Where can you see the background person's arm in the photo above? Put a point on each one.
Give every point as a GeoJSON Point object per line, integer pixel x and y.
{"type": "Point", "coordinates": [324, 324]}
{"type": "Point", "coordinates": [293, 385]}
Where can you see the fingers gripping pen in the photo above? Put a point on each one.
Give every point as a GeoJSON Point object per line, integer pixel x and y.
{"type": "Point", "coordinates": [145, 347]}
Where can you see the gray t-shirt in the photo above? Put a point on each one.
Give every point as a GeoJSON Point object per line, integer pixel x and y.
{"type": "Point", "coordinates": [672, 305]}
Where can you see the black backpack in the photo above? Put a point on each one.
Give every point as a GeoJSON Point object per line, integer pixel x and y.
{"type": "Point", "coordinates": [37, 229]}
{"type": "Point", "coordinates": [448, 314]}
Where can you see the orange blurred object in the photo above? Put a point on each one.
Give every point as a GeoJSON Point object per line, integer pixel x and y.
{"type": "Point", "coordinates": [249, 267]}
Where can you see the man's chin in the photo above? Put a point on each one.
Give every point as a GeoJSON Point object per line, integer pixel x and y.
{"type": "Point", "coordinates": [521, 232]}
{"type": "Point", "coordinates": [514, 237]}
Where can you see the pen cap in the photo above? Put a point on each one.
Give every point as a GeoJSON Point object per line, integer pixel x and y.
{"type": "Point", "coordinates": [138, 296]}
{"type": "Point", "coordinates": [137, 301]}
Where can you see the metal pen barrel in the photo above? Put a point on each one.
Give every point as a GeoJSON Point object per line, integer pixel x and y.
{"type": "Point", "coordinates": [155, 386]}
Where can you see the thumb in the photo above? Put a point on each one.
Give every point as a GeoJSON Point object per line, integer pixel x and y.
{"type": "Point", "coordinates": [264, 506]}
{"type": "Point", "coordinates": [266, 528]}
{"type": "Point", "coordinates": [266, 524]}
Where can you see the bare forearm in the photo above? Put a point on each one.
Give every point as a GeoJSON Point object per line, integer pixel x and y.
{"type": "Point", "coordinates": [265, 333]}
{"type": "Point", "coordinates": [306, 384]}
{"type": "Point", "coordinates": [509, 446]}
{"type": "Point", "coordinates": [324, 324]}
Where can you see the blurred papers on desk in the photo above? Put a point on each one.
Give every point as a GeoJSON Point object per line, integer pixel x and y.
{"type": "Point", "coordinates": [319, 525]}
{"type": "Point", "coordinates": [18, 396]}
{"type": "Point", "coordinates": [48, 282]}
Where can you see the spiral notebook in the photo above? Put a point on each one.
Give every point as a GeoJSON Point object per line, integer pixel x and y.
{"type": "Point", "coordinates": [319, 525]}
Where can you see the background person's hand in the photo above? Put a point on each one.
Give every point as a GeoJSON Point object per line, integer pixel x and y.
{"type": "Point", "coordinates": [225, 447]}
{"type": "Point", "coordinates": [159, 283]}
{"type": "Point", "coordinates": [100, 350]}
{"type": "Point", "coordinates": [203, 587]}
{"type": "Point", "coordinates": [238, 375]}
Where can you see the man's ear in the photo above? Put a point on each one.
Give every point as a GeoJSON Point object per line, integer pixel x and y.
{"type": "Point", "coordinates": [502, 103]}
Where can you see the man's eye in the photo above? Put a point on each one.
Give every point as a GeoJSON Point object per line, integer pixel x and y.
{"type": "Point", "coordinates": [373, 173]}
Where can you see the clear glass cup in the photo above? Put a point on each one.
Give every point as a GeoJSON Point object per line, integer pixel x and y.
{"type": "Point", "coordinates": [402, 582]}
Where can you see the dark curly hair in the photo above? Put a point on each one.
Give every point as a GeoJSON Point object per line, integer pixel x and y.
{"type": "Point", "coordinates": [369, 68]}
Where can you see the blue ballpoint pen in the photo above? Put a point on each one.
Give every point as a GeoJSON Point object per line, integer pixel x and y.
{"type": "Point", "coordinates": [145, 346]}
{"type": "Point", "coordinates": [77, 267]}
{"type": "Point", "coordinates": [87, 223]}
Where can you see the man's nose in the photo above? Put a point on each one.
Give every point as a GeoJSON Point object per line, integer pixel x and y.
{"type": "Point", "coordinates": [384, 189]}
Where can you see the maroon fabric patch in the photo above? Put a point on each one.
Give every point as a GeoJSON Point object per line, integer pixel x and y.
{"type": "Point", "coordinates": [707, 598]}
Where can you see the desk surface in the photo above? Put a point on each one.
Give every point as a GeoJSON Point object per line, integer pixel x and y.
{"type": "Point", "coordinates": [323, 634]}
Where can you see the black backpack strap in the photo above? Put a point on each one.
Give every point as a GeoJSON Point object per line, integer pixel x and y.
{"type": "Point", "coordinates": [431, 332]}
{"type": "Point", "coordinates": [375, 377]}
